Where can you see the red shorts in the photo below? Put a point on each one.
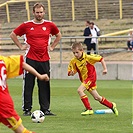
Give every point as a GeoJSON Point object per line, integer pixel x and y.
{"type": "Point", "coordinates": [11, 122]}
{"type": "Point", "coordinates": [89, 84]}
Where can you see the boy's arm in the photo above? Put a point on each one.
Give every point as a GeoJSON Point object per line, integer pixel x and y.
{"type": "Point", "coordinates": [71, 73]}
{"type": "Point", "coordinates": [34, 72]}
{"type": "Point", "coordinates": [104, 67]}
{"type": "Point", "coordinates": [71, 70]}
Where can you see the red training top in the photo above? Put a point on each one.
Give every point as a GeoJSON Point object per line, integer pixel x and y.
{"type": "Point", "coordinates": [38, 36]}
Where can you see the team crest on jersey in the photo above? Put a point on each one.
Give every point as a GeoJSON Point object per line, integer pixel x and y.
{"type": "Point", "coordinates": [44, 28]}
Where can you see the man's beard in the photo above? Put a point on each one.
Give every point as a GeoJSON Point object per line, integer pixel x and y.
{"type": "Point", "coordinates": [39, 18]}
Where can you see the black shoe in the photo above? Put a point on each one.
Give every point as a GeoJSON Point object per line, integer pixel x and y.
{"type": "Point", "coordinates": [47, 112]}
{"type": "Point", "coordinates": [27, 113]}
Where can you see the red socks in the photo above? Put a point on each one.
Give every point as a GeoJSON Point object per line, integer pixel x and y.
{"type": "Point", "coordinates": [86, 102]}
{"type": "Point", "coordinates": [106, 103]}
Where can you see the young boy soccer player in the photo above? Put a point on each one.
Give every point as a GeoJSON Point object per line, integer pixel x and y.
{"type": "Point", "coordinates": [13, 66]}
{"type": "Point", "coordinates": [83, 64]}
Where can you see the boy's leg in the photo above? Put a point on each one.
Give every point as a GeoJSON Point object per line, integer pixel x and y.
{"type": "Point", "coordinates": [86, 103]}
{"type": "Point", "coordinates": [15, 124]}
{"type": "Point", "coordinates": [107, 103]}
{"type": "Point", "coordinates": [22, 129]}
{"type": "Point", "coordinates": [85, 100]}
{"type": "Point", "coordinates": [110, 105]}
{"type": "Point", "coordinates": [101, 99]}
{"type": "Point", "coordinates": [104, 101]}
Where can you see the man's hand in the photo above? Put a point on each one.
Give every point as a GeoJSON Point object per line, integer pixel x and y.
{"type": "Point", "coordinates": [24, 47]}
{"type": "Point", "coordinates": [50, 48]}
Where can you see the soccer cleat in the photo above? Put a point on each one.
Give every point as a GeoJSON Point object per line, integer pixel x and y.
{"type": "Point", "coordinates": [87, 112]}
{"type": "Point", "coordinates": [27, 113]}
{"type": "Point", "coordinates": [114, 109]}
{"type": "Point", "coordinates": [47, 112]}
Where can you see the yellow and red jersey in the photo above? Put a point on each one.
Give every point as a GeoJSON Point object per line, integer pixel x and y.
{"type": "Point", "coordinates": [9, 67]}
{"type": "Point", "coordinates": [84, 66]}
{"type": "Point", "coordinates": [13, 65]}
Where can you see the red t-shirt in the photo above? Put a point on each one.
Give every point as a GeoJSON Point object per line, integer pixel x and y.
{"type": "Point", "coordinates": [37, 35]}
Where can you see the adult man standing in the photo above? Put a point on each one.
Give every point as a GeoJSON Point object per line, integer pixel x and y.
{"type": "Point", "coordinates": [91, 32]}
{"type": "Point", "coordinates": [37, 33]}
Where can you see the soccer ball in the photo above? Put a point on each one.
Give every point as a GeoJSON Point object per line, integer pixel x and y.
{"type": "Point", "coordinates": [37, 116]}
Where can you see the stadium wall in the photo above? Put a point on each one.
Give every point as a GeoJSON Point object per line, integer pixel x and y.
{"type": "Point", "coordinates": [116, 71]}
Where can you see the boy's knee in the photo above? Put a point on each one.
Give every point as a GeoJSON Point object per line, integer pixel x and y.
{"type": "Point", "coordinates": [79, 91]}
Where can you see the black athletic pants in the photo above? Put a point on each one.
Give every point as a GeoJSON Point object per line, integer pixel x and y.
{"type": "Point", "coordinates": [43, 86]}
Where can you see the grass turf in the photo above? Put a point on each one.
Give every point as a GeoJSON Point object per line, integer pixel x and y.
{"type": "Point", "coordinates": [66, 104]}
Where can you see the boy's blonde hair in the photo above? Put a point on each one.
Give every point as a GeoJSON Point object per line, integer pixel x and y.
{"type": "Point", "coordinates": [77, 45]}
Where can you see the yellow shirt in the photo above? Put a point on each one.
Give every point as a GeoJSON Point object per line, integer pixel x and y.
{"type": "Point", "coordinates": [84, 66]}
{"type": "Point", "coordinates": [13, 65]}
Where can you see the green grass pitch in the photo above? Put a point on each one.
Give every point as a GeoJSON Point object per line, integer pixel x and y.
{"type": "Point", "coordinates": [66, 104]}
